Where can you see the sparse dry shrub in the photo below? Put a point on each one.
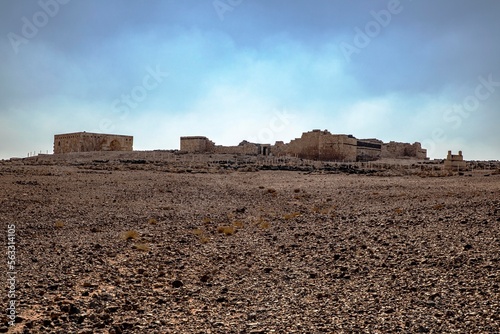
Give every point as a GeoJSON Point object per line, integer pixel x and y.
{"type": "Point", "coordinates": [59, 224]}
{"type": "Point", "coordinates": [129, 235]}
{"type": "Point", "coordinates": [207, 220]}
{"type": "Point", "coordinates": [201, 235]}
{"type": "Point", "coordinates": [324, 210]}
{"type": "Point", "coordinates": [438, 207]}
{"type": "Point", "coordinates": [152, 221]}
{"type": "Point", "coordinates": [291, 215]}
{"type": "Point", "coordinates": [227, 230]}
{"type": "Point", "coordinates": [398, 211]}
{"type": "Point", "coordinates": [238, 224]}
{"type": "Point", "coordinates": [197, 231]}
{"type": "Point", "coordinates": [142, 247]}
{"type": "Point", "coordinates": [263, 224]}
{"type": "Point", "coordinates": [272, 191]}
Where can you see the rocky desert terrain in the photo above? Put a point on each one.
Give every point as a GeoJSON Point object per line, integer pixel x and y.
{"type": "Point", "coordinates": [104, 245]}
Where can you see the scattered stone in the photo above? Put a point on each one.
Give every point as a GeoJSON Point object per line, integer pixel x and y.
{"type": "Point", "coordinates": [371, 250]}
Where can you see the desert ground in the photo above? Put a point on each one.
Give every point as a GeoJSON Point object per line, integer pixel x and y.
{"type": "Point", "coordinates": [139, 246]}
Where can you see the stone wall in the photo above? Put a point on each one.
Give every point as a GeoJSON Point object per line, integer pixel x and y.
{"type": "Point", "coordinates": [397, 150]}
{"type": "Point", "coordinates": [197, 144]}
{"type": "Point", "coordinates": [319, 145]}
{"type": "Point", "coordinates": [89, 142]}
{"type": "Point", "coordinates": [369, 149]}
{"type": "Point", "coordinates": [204, 145]}
{"type": "Point", "coordinates": [337, 147]}
{"type": "Point", "coordinates": [305, 147]}
{"type": "Point", "coordinates": [314, 145]}
{"type": "Point", "coordinates": [455, 162]}
{"type": "Point", "coordinates": [243, 148]}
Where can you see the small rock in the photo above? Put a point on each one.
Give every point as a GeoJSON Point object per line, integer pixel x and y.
{"type": "Point", "coordinates": [111, 309]}
{"type": "Point", "coordinates": [177, 284]}
{"type": "Point", "coordinates": [423, 329]}
{"type": "Point", "coordinates": [86, 331]}
{"type": "Point", "coordinates": [73, 309]}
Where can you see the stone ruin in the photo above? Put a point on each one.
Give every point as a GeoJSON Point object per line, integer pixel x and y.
{"type": "Point", "coordinates": [455, 162]}
{"type": "Point", "coordinates": [314, 145]}
{"type": "Point", "coordinates": [89, 142]}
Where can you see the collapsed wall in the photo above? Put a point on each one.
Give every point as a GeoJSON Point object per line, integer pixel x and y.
{"type": "Point", "coordinates": [198, 144]}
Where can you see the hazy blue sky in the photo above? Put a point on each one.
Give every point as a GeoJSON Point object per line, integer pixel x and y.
{"type": "Point", "coordinates": [261, 70]}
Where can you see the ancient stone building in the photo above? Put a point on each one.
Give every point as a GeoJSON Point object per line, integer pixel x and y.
{"type": "Point", "coordinates": [320, 145]}
{"type": "Point", "coordinates": [314, 145]}
{"type": "Point", "coordinates": [369, 149]}
{"type": "Point", "coordinates": [403, 150]}
{"type": "Point", "coordinates": [197, 144]}
{"type": "Point", "coordinates": [88, 142]}
{"type": "Point", "coordinates": [455, 162]}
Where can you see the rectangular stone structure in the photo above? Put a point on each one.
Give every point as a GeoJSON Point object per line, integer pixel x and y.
{"type": "Point", "coordinates": [455, 162]}
{"type": "Point", "coordinates": [90, 142]}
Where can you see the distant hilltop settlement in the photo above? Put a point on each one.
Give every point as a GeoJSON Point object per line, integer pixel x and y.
{"type": "Point", "coordinates": [313, 145]}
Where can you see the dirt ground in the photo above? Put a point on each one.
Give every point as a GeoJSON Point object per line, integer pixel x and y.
{"type": "Point", "coordinates": [149, 251]}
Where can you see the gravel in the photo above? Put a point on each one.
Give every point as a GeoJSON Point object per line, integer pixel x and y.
{"type": "Point", "coordinates": [250, 251]}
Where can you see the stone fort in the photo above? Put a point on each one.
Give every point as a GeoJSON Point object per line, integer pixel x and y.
{"type": "Point", "coordinates": [88, 142]}
{"type": "Point", "coordinates": [314, 145]}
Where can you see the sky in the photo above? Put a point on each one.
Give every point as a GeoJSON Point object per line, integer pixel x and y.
{"type": "Point", "coordinates": [257, 70]}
